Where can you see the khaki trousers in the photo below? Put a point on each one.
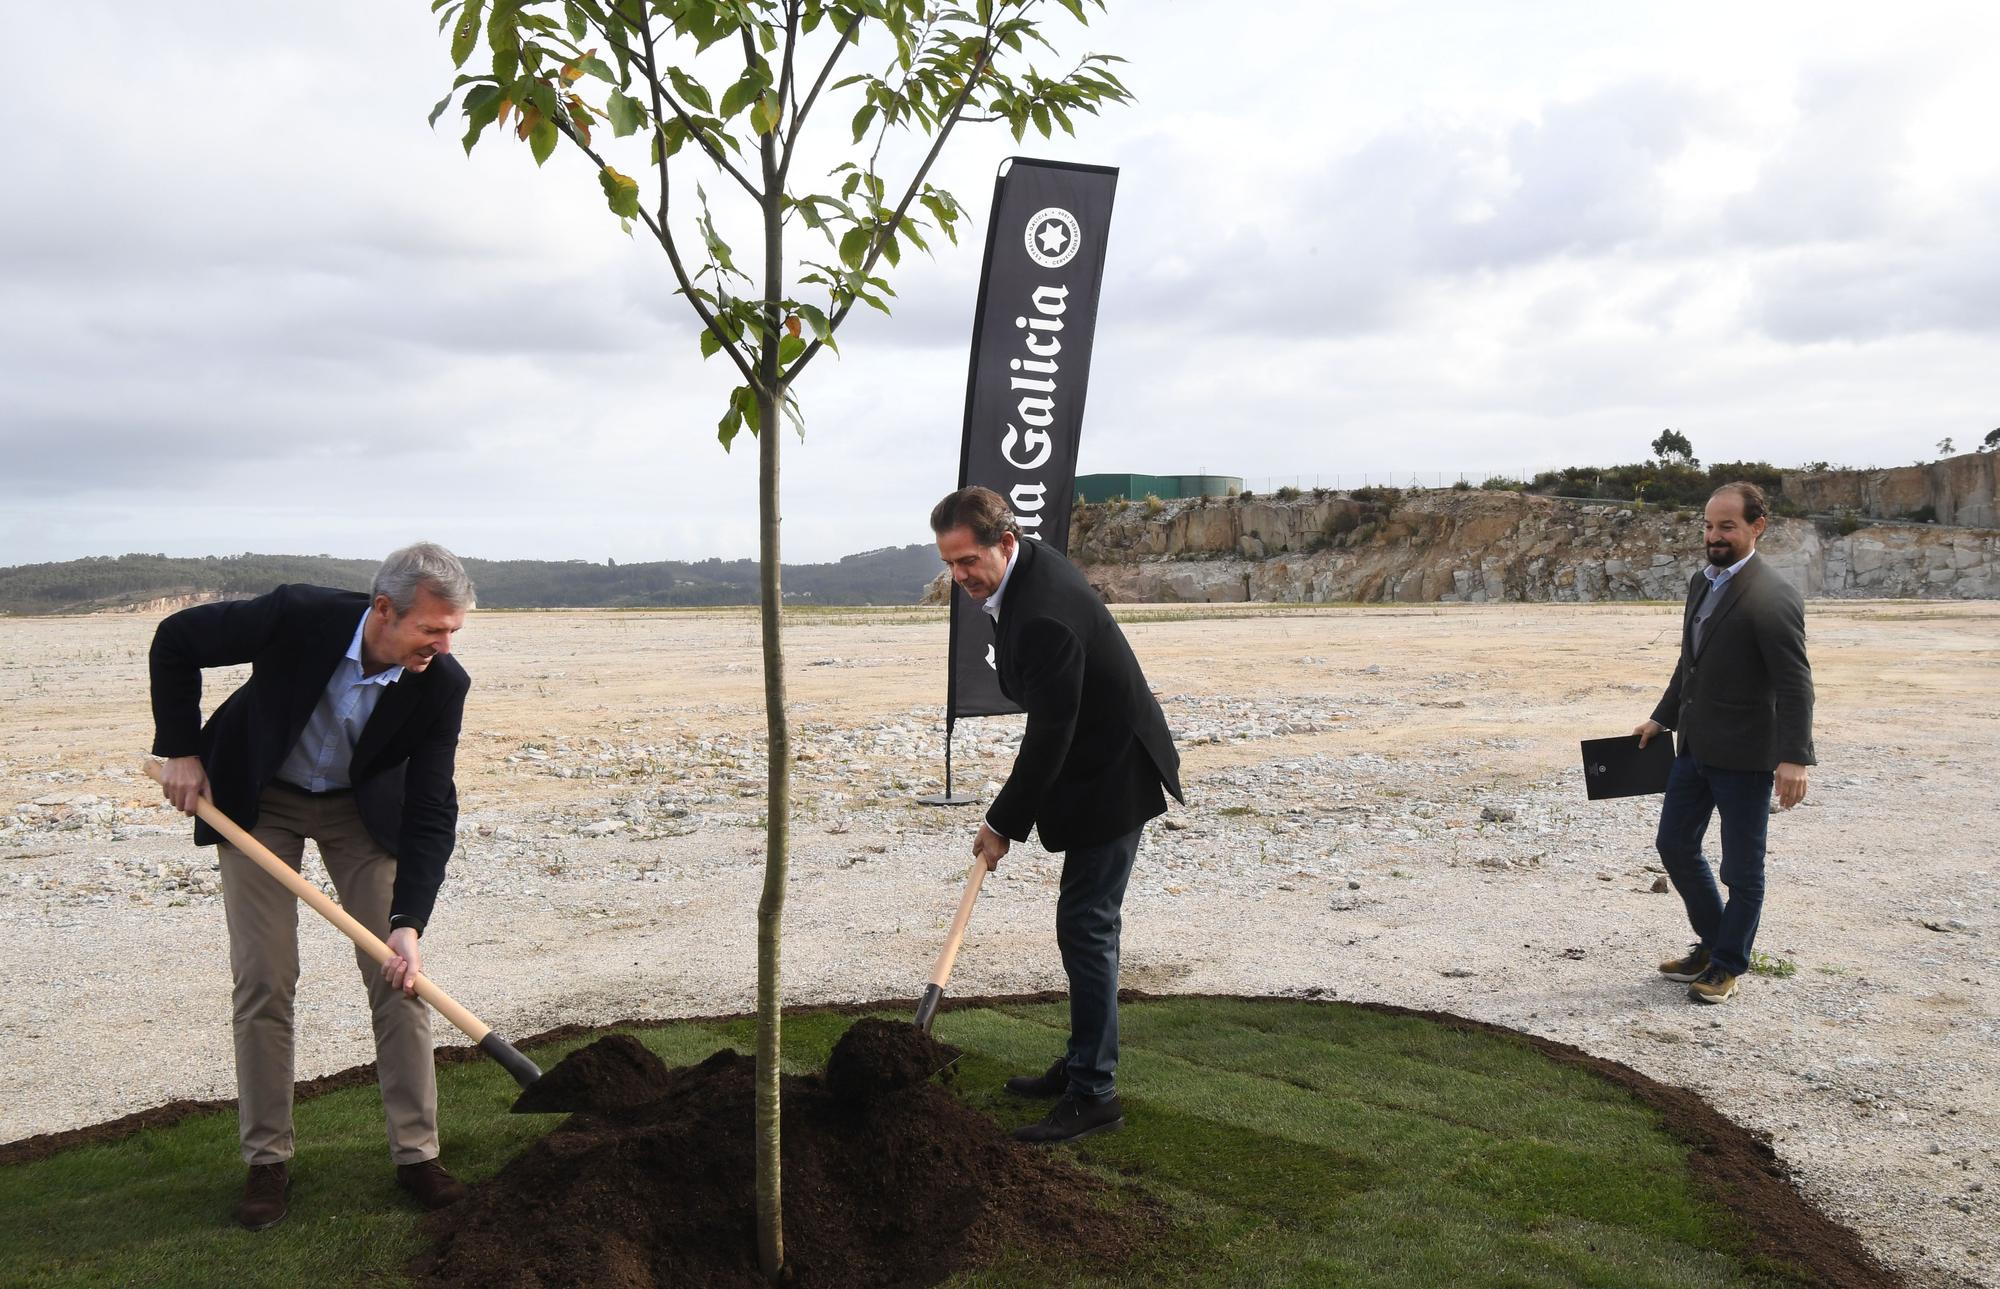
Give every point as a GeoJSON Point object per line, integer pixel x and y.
{"type": "Point", "coordinates": [263, 922]}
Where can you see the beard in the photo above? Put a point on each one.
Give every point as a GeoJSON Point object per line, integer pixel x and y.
{"type": "Point", "coordinates": [1721, 556]}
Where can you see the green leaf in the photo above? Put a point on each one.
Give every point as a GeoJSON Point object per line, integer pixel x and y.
{"type": "Point", "coordinates": [621, 191]}
{"type": "Point", "coordinates": [503, 32]}
{"type": "Point", "coordinates": [592, 65]}
{"type": "Point", "coordinates": [466, 34]}
{"type": "Point", "coordinates": [791, 406]}
{"type": "Point", "coordinates": [854, 245]}
{"type": "Point", "coordinates": [731, 423]}
{"type": "Point", "coordinates": [816, 319]}
{"type": "Point", "coordinates": [675, 135]}
{"type": "Point", "coordinates": [890, 251]}
{"type": "Point", "coordinates": [789, 350]}
{"type": "Point", "coordinates": [438, 111]}
{"type": "Point", "coordinates": [690, 89]}
{"type": "Point", "coordinates": [626, 113]}
{"type": "Point", "coordinates": [711, 344]}
{"type": "Point", "coordinates": [764, 116]}
{"type": "Point", "coordinates": [1041, 115]}
{"type": "Point", "coordinates": [861, 120]}
{"type": "Point", "coordinates": [541, 94]}
{"type": "Point", "coordinates": [542, 140]}
{"type": "Point", "coordinates": [740, 95]}
{"type": "Point", "coordinates": [482, 105]}
{"type": "Point", "coordinates": [578, 28]}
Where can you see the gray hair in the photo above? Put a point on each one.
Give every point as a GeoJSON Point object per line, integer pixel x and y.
{"type": "Point", "coordinates": [424, 564]}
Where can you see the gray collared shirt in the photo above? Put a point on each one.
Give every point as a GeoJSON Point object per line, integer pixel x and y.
{"type": "Point", "coordinates": [322, 758]}
{"type": "Point", "coordinates": [1717, 579]}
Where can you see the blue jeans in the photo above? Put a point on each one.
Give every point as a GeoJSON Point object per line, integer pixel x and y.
{"type": "Point", "coordinates": [1743, 798]}
{"type": "Point", "coordinates": [1089, 914]}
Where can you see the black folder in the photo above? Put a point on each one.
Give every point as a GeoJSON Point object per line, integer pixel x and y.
{"type": "Point", "coordinates": [1619, 767]}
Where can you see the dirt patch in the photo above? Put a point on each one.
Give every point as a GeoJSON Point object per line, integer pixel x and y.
{"type": "Point", "coordinates": [616, 1072]}
{"type": "Point", "coordinates": [876, 1057]}
{"type": "Point", "coordinates": [903, 1186]}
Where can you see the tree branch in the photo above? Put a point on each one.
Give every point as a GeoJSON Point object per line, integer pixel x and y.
{"type": "Point", "coordinates": [658, 225]}
{"type": "Point", "coordinates": [649, 69]}
{"type": "Point", "coordinates": [888, 230]}
{"type": "Point", "coordinates": [812, 97]}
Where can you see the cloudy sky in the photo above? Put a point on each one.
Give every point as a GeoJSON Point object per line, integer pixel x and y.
{"type": "Point", "coordinates": [252, 302]}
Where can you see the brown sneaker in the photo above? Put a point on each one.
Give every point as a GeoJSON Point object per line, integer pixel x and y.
{"type": "Point", "coordinates": [1713, 986]}
{"type": "Point", "coordinates": [264, 1203]}
{"type": "Point", "coordinates": [430, 1183]}
{"type": "Point", "coordinates": [1688, 968]}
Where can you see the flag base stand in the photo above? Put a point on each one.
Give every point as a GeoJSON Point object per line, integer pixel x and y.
{"type": "Point", "coordinates": [947, 797]}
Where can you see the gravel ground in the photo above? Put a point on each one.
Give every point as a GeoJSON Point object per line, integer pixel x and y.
{"type": "Point", "coordinates": [1383, 805]}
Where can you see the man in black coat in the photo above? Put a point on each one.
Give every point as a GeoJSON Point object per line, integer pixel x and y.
{"type": "Point", "coordinates": [345, 733]}
{"type": "Point", "coordinates": [1090, 773]}
{"type": "Point", "coordinates": [1741, 700]}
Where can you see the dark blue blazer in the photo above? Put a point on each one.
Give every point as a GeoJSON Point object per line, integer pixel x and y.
{"type": "Point", "coordinates": [293, 638]}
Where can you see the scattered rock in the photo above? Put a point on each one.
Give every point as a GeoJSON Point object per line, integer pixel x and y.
{"type": "Point", "coordinates": [1497, 814]}
{"type": "Point", "coordinates": [1660, 886]}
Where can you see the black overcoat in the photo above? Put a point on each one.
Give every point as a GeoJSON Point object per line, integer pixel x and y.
{"type": "Point", "coordinates": [1743, 700]}
{"type": "Point", "coordinates": [1097, 751]}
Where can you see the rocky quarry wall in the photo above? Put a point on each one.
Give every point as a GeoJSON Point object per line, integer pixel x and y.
{"type": "Point", "coordinates": [1489, 546]}
{"type": "Point", "coordinates": [1958, 490]}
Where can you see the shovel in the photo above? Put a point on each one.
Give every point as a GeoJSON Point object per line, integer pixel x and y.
{"type": "Point", "coordinates": [525, 1072]}
{"type": "Point", "coordinates": [934, 991]}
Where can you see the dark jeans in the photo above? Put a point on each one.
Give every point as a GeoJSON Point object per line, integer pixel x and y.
{"type": "Point", "coordinates": [1088, 917]}
{"type": "Point", "coordinates": [1743, 797]}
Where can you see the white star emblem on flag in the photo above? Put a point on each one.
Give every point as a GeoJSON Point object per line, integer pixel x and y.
{"type": "Point", "coordinates": [1052, 237]}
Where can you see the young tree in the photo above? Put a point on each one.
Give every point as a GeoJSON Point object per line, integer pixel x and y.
{"type": "Point", "coordinates": [729, 86]}
{"type": "Point", "coordinates": [1944, 446]}
{"type": "Point", "coordinates": [1674, 445]}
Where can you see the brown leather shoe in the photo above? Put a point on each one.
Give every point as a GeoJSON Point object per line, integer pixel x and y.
{"type": "Point", "coordinates": [264, 1204]}
{"type": "Point", "coordinates": [430, 1183]}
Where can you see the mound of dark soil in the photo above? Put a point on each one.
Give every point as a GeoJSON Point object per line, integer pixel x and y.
{"type": "Point", "coordinates": [876, 1057]}
{"type": "Point", "coordinates": [901, 1187]}
{"type": "Point", "coordinates": [616, 1072]}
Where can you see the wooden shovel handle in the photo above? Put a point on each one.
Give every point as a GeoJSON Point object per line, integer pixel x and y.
{"type": "Point", "coordinates": [973, 878]}
{"type": "Point", "coordinates": [369, 943]}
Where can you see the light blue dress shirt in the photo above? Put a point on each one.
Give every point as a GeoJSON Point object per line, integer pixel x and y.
{"type": "Point", "coordinates": [321, 760]}
{"type": "Point", "coordinates": [1717, 579]}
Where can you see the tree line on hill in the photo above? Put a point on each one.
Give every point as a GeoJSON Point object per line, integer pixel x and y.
{"type": "Point", "coordinates": [892, 575]}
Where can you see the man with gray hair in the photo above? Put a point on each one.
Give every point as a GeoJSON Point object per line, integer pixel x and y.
{"type": "Point", "coordinates": [345, 733]}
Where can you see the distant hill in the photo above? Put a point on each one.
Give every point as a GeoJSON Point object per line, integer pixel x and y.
{"type": "Point", "coordinates": [892, 575]}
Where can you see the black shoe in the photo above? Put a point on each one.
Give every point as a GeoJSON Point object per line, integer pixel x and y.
{"type": "Point", "coordinates": [1052, 1084]}
{"type": "Point", "coordinates": [264, 1201]}
{"type": "Point", "coordinates": [1073, 1119]}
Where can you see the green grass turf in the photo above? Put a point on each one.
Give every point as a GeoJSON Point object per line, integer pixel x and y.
{"type": "Point", "coordinates": [1292, 1144]}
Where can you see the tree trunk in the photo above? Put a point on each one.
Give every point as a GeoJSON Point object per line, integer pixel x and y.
{"type": "Point", "coordinates": [778, 738]}
{"type": "Point", "coordinates": [777, 846]}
